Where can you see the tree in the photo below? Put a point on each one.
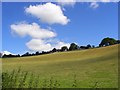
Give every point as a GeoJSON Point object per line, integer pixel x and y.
{"type": "Point", "coordinates": [88, 46]}
{"type": "Point", "coordinates": [73, 46]}
{"type": "Point", "coordinates": [0, 55]}
{"type": "Point", "coordinates": [18, 55]}
{"type": "Point", "coordinates": [93, 46]}
{"type": "Point", "coordinates": [37, 53]}
{"type": "Point", "coordinates": [83, 47]}
{"type": "Point", "coordinates": [107, 41]}
{"type": "Point", "coordinates": [118, 41]}
{"type": "Point", "coordinates": [10, 55]}
{"type": "Point", "coordinates": [27, 53]}
{"type": "Point", "coordinates": [64, 48]}
{"type": "Point", "coordinates": [54, 50]}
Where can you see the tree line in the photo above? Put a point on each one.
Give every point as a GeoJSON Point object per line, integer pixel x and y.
{"type": "Point", "coordinates": [105, 42]}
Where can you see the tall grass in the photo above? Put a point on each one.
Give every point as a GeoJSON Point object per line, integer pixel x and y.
{"type": "Point", "coordinates": [20, 79]}
{"type": "Point", "coordinates": [74, 82]}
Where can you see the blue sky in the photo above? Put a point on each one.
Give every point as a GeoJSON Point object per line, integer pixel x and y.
{"type": "Point", "coordinates": [87, 25]}
{"type": "Point", "coordinates": [0, 27]}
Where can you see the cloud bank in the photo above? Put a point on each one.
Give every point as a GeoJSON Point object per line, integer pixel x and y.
{"type": "Point", "coordinates": [40, 38]}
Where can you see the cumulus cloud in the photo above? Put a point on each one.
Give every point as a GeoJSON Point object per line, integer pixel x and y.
{"type": "Point", "coordinates": [48, 13]}
{"type": "Point", "coordinates": [43, 45]}
{"type": "Point", "coordinates": [66, 2]}
{"type": "Point", "coordinates": [38, 45]}
{"type": "Point", "coordinates": [59, 44]}
{"type": "Point", "coordinates": [94, 5]}
{"type": "Point", "coordinates": [40, 38]}
{"type": "Point", "coordinates": [7, 53]}
{"type": "Point", "coordinates": [33, 30]}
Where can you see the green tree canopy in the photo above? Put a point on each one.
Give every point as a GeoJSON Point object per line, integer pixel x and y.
{"type": "Point", "coordinates": [108, 41]}
{"type": "Point", "coordinates": [89, 46]}
{"type": "Point", "coordinates": [73, 46]}
{"type": "Point", "coordinates": [64, 48]}
{"type": "Point", "coordinates": [54, 50]}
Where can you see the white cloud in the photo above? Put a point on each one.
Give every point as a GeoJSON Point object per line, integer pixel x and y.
{"type": "Point", "coordinates": [94, 5]}
{"type": "Point", "coordinates": [105, 0]}
{"type": "Point", "coordinates": [48, 13]}
{"type": "Point", "coordinates": [99, 0]}
{"type": "Point", "coordinates": [41, 38]}
{"type": "Point", "coordinates": [60, 44]}
{"type": "Point", "coordinates": [66, 2]}
{"type": "Point", "coordinates": [33, 30]}
{"type": "Point", "coordinates": [38, 45]}
{"type": "Point", "coordinates": [43, 45]}
{"type": "Point", "coordinates": [7, 53]}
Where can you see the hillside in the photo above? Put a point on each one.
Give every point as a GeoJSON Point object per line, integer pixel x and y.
{"type": "Point", "coordinates": [90, 66]}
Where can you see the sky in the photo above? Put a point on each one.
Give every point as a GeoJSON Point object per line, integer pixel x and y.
{"type": "Point", "coordinates": [41, 26]}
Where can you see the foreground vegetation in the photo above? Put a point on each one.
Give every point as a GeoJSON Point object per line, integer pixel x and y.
{"type": "Point", "coordinates": [20, 79]}
{"type": "Point", "coordinates": [84, 69]}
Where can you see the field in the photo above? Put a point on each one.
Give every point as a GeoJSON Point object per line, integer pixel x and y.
{"type": "Point", "coordinates": [84, 68]}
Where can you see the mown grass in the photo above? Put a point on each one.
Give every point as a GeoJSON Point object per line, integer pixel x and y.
{"type": "Point", "coordinates": [84, 69]}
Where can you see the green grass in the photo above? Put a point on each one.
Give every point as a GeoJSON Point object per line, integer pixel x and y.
{"type": "Point", "coordinates": [84, 68]}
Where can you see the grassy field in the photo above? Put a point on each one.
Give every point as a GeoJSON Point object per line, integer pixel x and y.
{"type": "Point", "coordinates": [85, 68]}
